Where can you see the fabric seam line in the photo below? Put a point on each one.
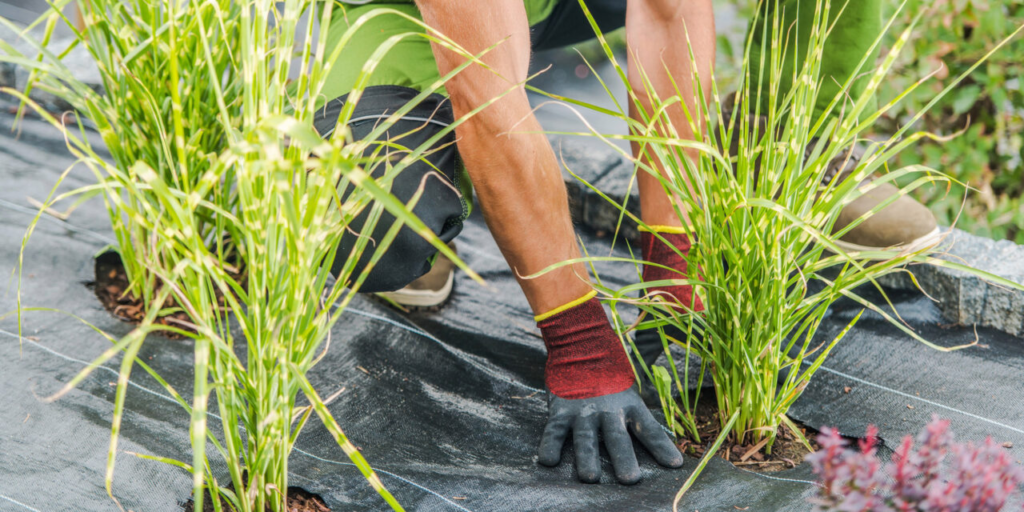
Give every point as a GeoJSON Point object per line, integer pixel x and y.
{"type": "Point", "coordinates": [929, 402]}
{"type": "Point", "coordinates": [67, 225]}
{"type": "Point", "coordinates": [16, 502]}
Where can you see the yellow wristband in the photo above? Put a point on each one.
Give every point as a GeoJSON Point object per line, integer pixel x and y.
{"type": "Point", "coordinates": [569, 305]}
{"type": "Point", "coordinates": [675, 230]}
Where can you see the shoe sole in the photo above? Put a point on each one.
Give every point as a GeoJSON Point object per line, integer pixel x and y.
{"type": "Point", "coordinates": [925, 242]}
{"type": "Point", "coordinates": [422, 298]}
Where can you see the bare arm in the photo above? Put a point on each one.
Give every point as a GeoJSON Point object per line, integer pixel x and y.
{"type": "Point", "coordinates": [516, 176]}
{"type": "Point", "coordinates": [656, 33]}
{"type": "Point", "coordinates": [518, 180]}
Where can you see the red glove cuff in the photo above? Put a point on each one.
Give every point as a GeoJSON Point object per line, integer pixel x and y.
{"type": "Point", "coordinates": [585, 357]}
{"type": "Point", "coordinates": [655, 251]}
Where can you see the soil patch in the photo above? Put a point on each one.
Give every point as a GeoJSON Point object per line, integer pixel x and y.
{"type": "Point", "coordinates": [787, 452]}
{"type": "Point", "coordinates": [298, 501]}
{"type": "Point", "coordinates": [110, 285]}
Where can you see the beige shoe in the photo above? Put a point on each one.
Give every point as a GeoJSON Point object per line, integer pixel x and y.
{"type": "Point", "coordinates": [905, 224]}
{"type": "Point", "coordinates": [430, 290]}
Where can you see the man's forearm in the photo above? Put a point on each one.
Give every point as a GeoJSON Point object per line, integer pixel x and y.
{"type": "Point", "coordinates": [656, 31]}
{"type": "Point", "coordinates": [587, 375]}
{"type": "Point", "coordinates": [516, 175]}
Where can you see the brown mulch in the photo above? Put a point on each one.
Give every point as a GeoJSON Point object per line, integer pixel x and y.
{"type": "Point", "coordinates": [298, 501]}
{"type": "Point", "coordinates": [787, 452]}
{"type": "Point", "coordinates": [110, 285]}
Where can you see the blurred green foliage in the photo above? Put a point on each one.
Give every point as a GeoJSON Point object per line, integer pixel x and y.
{"type": "Point", "coordinates": [987, 110]}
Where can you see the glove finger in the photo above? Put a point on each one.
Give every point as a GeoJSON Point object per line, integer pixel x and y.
{"type": "Point", "coordinates": [649, 432]}
{"type": "Point", "coordinates": [584, 440]}
{"type": "Point", "coordinates": [620, 448]}
{"type": "Point", "coordinates": [550, 451]}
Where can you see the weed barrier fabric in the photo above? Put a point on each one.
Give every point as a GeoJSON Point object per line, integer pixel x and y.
{"type": "Point", "coordinates": [447, 406]}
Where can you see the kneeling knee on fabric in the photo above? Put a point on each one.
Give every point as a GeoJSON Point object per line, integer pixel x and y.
{"type": "Point", "coordinates": [435, 178]}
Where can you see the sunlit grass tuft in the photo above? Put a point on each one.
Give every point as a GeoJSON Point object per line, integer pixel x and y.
{"type": "Point", "coordinates": [764, 224]}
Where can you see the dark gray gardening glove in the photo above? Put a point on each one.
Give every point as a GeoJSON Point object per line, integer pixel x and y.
{"type": "Point", "coordinates": [612, 418]}
{"type": "Point", "coordinates": [592, 393]}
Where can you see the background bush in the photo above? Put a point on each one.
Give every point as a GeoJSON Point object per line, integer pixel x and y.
{"type": "Point", "coordinates": [989, 105]}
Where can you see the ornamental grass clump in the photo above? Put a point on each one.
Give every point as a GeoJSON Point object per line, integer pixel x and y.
{"type": "Point", "coordinates": [140, 48]}
{"type": "Point", "coordinates": [765, 232]}
{"type": "Point", "coordinates": [229, 172]}
{"type": "Point", "coordinates": [926, 473]}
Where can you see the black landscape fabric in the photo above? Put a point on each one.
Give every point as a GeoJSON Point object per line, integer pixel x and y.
{"type": "Point", "coordinates": [446, 406]}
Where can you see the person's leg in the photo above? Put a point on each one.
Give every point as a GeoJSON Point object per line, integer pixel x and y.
{"type": "Point", "coordinates": [441, 206]}
{"type": "Point", "coordinates": [400, 76]}
{"type": "Point", "coordinates": [857, 24]}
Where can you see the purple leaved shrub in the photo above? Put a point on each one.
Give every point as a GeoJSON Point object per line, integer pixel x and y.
{"type": "Point", "coordinates": [928, 474]}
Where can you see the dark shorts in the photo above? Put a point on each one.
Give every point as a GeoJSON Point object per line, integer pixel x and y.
{"type": "Point", "coordinates": [443, 206]}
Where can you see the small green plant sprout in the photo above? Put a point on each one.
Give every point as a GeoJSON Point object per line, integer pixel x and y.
{"type": "Point", "coordinates": [217, 167]}
{"type": "Point", "coordinates": [769, 267]}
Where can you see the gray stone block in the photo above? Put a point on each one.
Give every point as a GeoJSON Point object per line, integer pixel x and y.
{"type": "Point", "coordinates": [965, 298]}
{"type": "Point", "coordinates": [962, 297]}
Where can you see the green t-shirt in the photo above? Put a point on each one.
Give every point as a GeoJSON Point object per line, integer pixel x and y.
{"type": "Point", "coordinates": [409, 62]}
